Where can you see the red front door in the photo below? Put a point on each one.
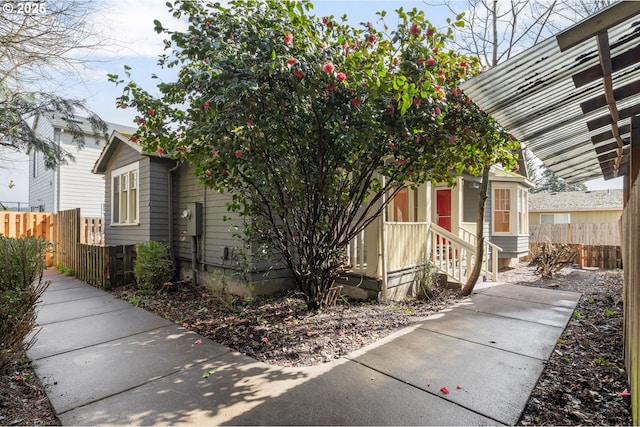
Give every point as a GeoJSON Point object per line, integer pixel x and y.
{"type": "Point", "coordinates": [443, 208]}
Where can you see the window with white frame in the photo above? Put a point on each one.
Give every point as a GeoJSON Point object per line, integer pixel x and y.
{"type": "Point", "coordinates": [555, 218]}
{"type": "Point", "coordinates": [523, 211]}
{"type": "Point", "coordinates": [124, 195]}
{"type": "Point", "coordinates": [509, 209]}
{"type": "Point", "coordinates": [502, 210]}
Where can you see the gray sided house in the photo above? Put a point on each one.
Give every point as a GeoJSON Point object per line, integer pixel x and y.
{"type": "Point", "coordinates": [71, 185]}
{"type": "Point", "coordinates": [150, 197]}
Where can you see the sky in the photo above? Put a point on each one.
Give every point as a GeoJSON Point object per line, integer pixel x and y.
{"type": "Point", "coordinates": [127, 26]}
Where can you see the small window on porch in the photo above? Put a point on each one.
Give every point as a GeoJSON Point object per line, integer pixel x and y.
{"type": "Point", "coordinates": [404, 206]}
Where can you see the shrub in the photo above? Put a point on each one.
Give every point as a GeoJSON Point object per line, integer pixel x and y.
{"type": "Point", "coordinates": [21, 286]}
{"type": "Point", "coordinates": [153, 265]}
{"type": "Point", "coordinates": [425, 278]}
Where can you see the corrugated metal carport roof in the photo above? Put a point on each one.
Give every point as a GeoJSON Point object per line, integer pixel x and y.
{"type": "Point", "coordinates": [570, 99]}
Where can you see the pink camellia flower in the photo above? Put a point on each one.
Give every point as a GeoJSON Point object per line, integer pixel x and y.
{"type": "Point", "coordinates": [456, 91]}
{"type": "Point", "coordinates": [207, 105]}
{"type": "Point", "coordinates": [390, 109]}
{"type": "Point", "coordinates": [141, 121]}
{"type": "Point", "coordinates": [265, 340]}
{"type": "Point", "coordinates": [430, 32]}
{"type": "Point", "coordinates": [216, 153]}
{"type": "Point", "coordinates": [207, 172]}
{"type": "Point", "coordinates": [326, 21]}
{"type": "Point", "coordinates": [291, 61]}
{"type": "Point", "coordinates": [467, 100]}
{"type": "Point", "coordinates": [328, 67]}
{"type": "Point", "coordinates": [160, 150]}
{"type": "Point", "coordinates": [298, 73]}
{"type": "Point", "coordinates": [181, 149]}
{"type": "Point", "coordinates": [355, 102]}
{"type": "Point", "coordinates": [224, 172]}
{"type": "Point", "coordinates": [444, 390]}
{"type": "Point", "coordinates": [463, 64]}
{"type": "Point", "coordinates": [249, 123]}
{"type": "Point", "coordinates": [372, 38]}
{"type": "Point", "coordinates": [332, 86]}
{"type": "Point", "coordinates": [123, 106]}
{"type": "Point", "coordinates": [516, 168]}
{"type": "Point", "coordinates": [414, 30]}
{"type": "Point", "coordinates": [437, 110]}
{"type": "Point", "coordinates": [150, 111]}
{"type": "Point", "coordinates": [421, 60]}
{"type": "Point", "coordinates": [431, 61]}
{"type": "Point", "coordinates": [238, 154]}
{"type": "Point", "coordinates": [288, 38]}
{"type": "Point", "coordinates": [18, 379]}
{"type": "Point", "coordinates": [341, 77]}
{"type": "Point", "coordinates": [416, 101]}
{"type": "Point", "coordinates": [133, 139]}
{"type": "Point", "coordinates": [400, 162]}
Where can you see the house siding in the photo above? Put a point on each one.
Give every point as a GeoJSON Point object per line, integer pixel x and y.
{"type": "Point", "coordinates": [127, 234]}
{"type": "Point", "coordinates": [79, 188]}
{"type": "Point", "coordinates": [216, 233]}
{"type": "Point", "coordinates": [156, 201]}
{"type": "Point", "coordinates": [512, 246]}
{"type": "Point", "coordinates": [582, 217]}
{"type": "Point", "coordinates": [42, 187]}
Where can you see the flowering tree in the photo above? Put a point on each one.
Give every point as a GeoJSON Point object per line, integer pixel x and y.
{"type": "Point", "coordinates": [301, 117]}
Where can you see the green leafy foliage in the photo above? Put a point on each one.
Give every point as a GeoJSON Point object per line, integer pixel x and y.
{"type": "Point", "coordinates": [312, 124]}
{"type": "Point", "coordinates": [153, 265]}
{"type": "Point", "coordinates": [21, 286]}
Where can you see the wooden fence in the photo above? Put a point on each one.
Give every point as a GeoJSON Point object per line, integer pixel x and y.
{"type": "Point", "coordinates": [606, 257]}
{"type": "Point", "coordinates": [77, 245]}
{"type": "Point", "coordinates": [607, 234]}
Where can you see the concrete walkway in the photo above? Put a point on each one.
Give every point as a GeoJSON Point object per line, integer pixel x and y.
{"type": "Point", "coordinates": [108, 362]}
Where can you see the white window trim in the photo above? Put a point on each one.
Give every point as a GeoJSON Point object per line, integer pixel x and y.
{"type": "Point", "coordinates": [514, 215]}
{"type": "Point", "coordinates": [118, 173]}
{"type": "Point", "coordinates": [554, 215]}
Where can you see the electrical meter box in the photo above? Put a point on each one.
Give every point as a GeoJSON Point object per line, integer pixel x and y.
{"type": "Point", "coordinates": [193, 215]}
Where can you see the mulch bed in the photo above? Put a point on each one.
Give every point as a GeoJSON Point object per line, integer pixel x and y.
{"type": "Point", "coordinates": [583, 383]}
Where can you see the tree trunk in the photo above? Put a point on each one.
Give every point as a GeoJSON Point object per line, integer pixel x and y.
{"type": "Point", "coordinates": [477, 266]}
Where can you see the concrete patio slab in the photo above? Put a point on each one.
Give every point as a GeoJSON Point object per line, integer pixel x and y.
{"type": "Point", "coordinates": [492, 382]}
{"type": "Point", "coordinates": [70, 294]}
{"type": "Point", "coordinates": [552, 315]}
{"type": "Point", "coordinates": [60, 337]}
{"type": "Point", "coordinates": [61, 282]}
{"type": "Point", "coordinates": [532, 294]}
{"type": "Point", "coordinates": [242, 391]}
{"type": "Point", "coordinates": [516, 336]}
{"type": "Point", "coordinates": [93, 373]}
{"type": "Point", "coordinates": [107, 362]}
{"type": "Point", "coordinates": [62, 311]}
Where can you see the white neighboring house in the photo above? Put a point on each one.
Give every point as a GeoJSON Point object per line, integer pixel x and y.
{"type": "Point", "coordinates": [71, 185]}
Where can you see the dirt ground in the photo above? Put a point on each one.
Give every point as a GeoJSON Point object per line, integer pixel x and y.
{"type": "Point", "coordinates": [583, 383]}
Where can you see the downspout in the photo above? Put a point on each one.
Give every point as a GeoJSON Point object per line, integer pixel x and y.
{"type": "Point", "coordinates": [170, 212]}
{"type": "Point", "coordinates": [383, 245]}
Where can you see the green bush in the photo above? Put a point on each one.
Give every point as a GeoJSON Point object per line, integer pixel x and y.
{"type": "Point", "coordinates": [21, 286]}
{"type": "Point", "coordinates": [153, 265]}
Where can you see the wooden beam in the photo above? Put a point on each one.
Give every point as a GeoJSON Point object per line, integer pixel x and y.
{"type": "Point", "coordinates": [593, 73]}
{"type": "Point", "coordinates": [634, 156]}
{"type": "Point", "coordinates": [618, 94]}
{"type": "Point", "coordinates": [605, 120]}
{"type": "Point", "coordinates": [609, 17]}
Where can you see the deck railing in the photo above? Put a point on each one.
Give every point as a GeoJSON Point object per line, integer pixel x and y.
{"type": "Point", "coordinates": [408, 244]}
